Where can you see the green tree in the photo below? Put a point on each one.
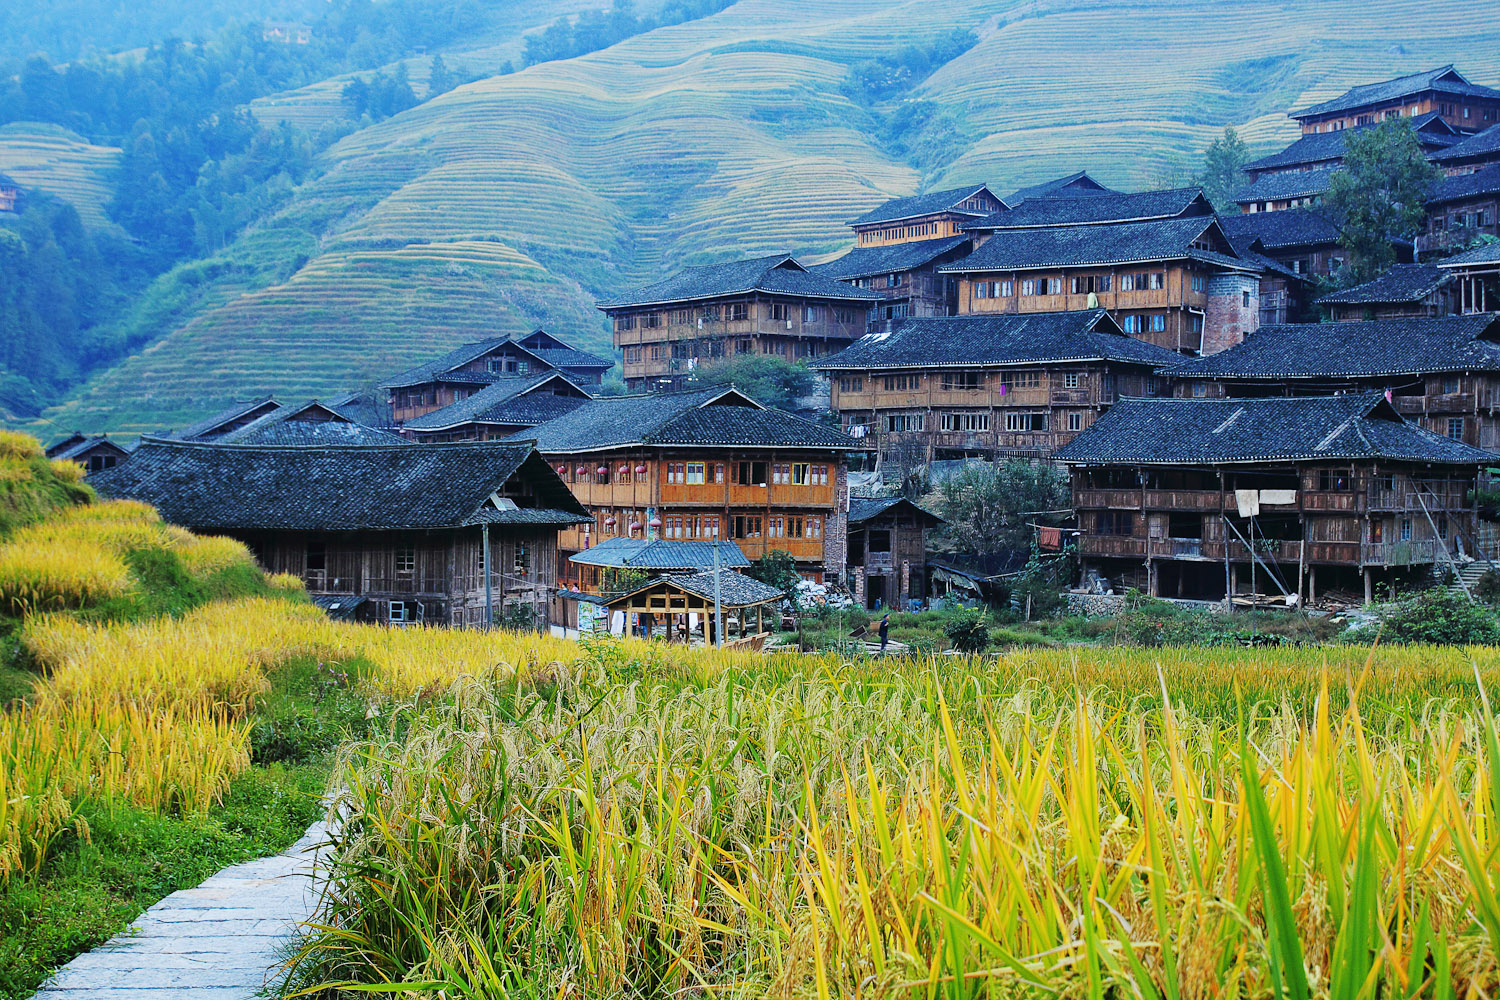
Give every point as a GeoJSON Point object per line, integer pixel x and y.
{"type": "Point", "coordinates": [1224, 169]}
{"type": "Point", "coordinates": [776, 568]}
{"type": "Point", "coordinates": [769, 380]}
{"type": "Point", "coordinates": [1378, 197]}
{"type": "Point", "coordinates": [989, 508]}
{"type": "Point", "coordinates": [440, 79]}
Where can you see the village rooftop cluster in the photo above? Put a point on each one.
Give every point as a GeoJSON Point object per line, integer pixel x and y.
{"type": "Point", "coordinates": [1158, 349]}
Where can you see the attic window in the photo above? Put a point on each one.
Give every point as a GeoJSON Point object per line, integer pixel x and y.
{"type": "Point", "coordinates": [406, 561]}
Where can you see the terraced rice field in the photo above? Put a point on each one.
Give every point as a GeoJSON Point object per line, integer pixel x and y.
{"type": "Point", "coordinates": [729, 136]}
{"type": "Point", "coordinates": [60, 162]}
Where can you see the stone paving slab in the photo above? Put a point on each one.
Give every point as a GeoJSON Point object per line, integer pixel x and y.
{"type": "Point", "coordinates": [221, 940]}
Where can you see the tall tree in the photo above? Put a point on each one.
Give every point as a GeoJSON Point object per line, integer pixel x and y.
{"type": "Point", "coordinates": [1378, 197]}
{"type": "Point", "coordinates": [1224, 169]}
{"type": "Point", "coordinates": [988, 508]}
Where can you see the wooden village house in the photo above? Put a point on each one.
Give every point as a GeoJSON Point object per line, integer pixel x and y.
{"type": "Point", "coordinates": [702, 465]}
{"type": "Point", "coordinates": [1477, 276]}
{"type": "Point", "coordinates": [1442, 373]}
{"type": "Point", "coordinates": [465, 371]}
{"type": "Point", "coordinates": [987, 386]}
{"type": "Point", "coordinates": [1197, 498]}
{"type": "Point", "coordinates": [1404, 291]}
{"type": "Point", "coordinates": [95, 453]}
{"type": "Point", "coordinates": [388, 533]}
{"type": "Point", "coordinates": [768, 306]}
{"type": "Point", "coordinates": [1444, 91]}
{"type": "Point", "coordinates": [887, 562]}
{"type": "Point", "coordinates": [500, 409]}
{"type": "Point", "coordinates": [1158, 261]}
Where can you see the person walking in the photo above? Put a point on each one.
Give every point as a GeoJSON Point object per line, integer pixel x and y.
{"type": "Point", "coordinates": [885, 631]}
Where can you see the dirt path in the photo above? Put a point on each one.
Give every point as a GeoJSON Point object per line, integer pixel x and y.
{"type": "Point", "coordinates": [219, 941]}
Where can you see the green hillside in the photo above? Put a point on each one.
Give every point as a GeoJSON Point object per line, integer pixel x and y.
{"type": "Point", "coordinates": [534, 192]}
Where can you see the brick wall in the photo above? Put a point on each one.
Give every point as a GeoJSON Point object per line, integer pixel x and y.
{"type": "Point", "coordinates": [1233, 310]}
{"type": "Point", "coordinates": [836, 529]}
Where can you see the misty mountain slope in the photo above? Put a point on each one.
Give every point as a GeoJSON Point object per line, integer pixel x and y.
{"type": "Point", "coordinates": [533, 193]}
{"type": "Point", "coordinates": [62, 163]}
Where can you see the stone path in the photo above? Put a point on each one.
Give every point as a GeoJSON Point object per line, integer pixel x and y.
{"type": "Point", "coordinates": [220, 941]}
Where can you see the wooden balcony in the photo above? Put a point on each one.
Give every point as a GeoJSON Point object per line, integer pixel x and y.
{"type": "Point", "coordinates": [1330, 501]}
{"type": "Point", "coordinates": [1416, 552]}
{"type": "Point", "coordinates": [1112, 546]}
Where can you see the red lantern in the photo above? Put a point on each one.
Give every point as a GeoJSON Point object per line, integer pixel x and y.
{"type": "Point", "coordinates": [640, 468]}
{"type": "Point", "coordinates": [635, 526]}
{"type": "Point", "coordinates": [562, 470]}
{"type": "Point", "coordinates": [583, 470]}
{"type": "Point", "coordinates": [603, 471]}
{"type": "Point", "coordinates": [656, 522]}
{"type": "Point", "coordinates": [609, 522]}
{"type": "Point", "coordinates": [624, 470]}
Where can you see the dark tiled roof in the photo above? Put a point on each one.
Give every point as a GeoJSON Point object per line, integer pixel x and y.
{"type": "Point", "coordinates": [997, 340]}
{"type": "Point", "coordinates": [1445, 79]}
{"type": "Point", "coordinates": [1069, 186]}
{"type": "Point", "coordinates": [373, 409]}
{"type": "Point", "coordinates": [1081, 246]}
{"type": "Point", "coordinates": [1295, 227]}
{"type": "Point", "coordinates": [66, 444]}
{"type": "Point", "coordinates": [1481, 182]}
{"type": "Point", "coordinates": [779, 274]}
{"type": "Point", "coordinates": [237, 487]}
{"type": "Point", "coordinates": [1293, 184]}
{"type": "Point", "coordinates": [228, 415]}
{"type": "Point", "coordinates": [931, 203]}
{"type": "Point", "coordinates": [9, 182]}
{"type": "Point", "coordinates": [862, 509]}
{"type": "Point", "coordinates": [1402, 283]}
{"type": "Point", "coordinates": [1485, 253]}
{"type": "Point", "coordinates": [510, 400]}
{"type": "Point", "coordinates": [65, 451]}
{"type": "Point", "coordinates": [1486, 143]}
{"type": "Point", "coordinates": [711, 417]}
{"type": "Point", "coordinates": [1355, 349]}
{"type": "Point", "coordinates": [1320, 147]}
{"type": "Point", "coordinates": [289, 426]}
{"type": "Point", "coordinates": [660, 554]}
{"type": "Point", "coordinates": [1359, 426]}
{"type": "Point", "coordinates": [444, 365]}
{"type": "Point", "coordinates": [529, 515]}
{"type": "Point", "coordinates": [736, 590]}
{"type": "Point", "coordinates": [338, 606]}
{"type": "Point", "coordinates": [861, 262]}
{"type": "Point", "coordinates": [1099, 207]}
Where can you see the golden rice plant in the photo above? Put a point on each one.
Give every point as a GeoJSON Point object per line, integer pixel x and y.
{"type": "Point", "coordinates": [954, 829]}
{"type": "Point", "coordinates": [14, 445]}
{"type": "Point", "coordinates": [67, 470]}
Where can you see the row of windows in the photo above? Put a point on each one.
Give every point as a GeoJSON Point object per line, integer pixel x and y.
{"type": "Point", "coordinates": [714, 349]}
{"type": "Point", "coordinates": [903, 232]}
{"type": "Point", "coordinates": [734, 312]}
{"type": "Point", "coordinates": [957, 381]}
{"type": "Point", "coordinates": [1144, 322]}
{"type": "Point", "coordinates": [1464, 220]}
{"type": "Point", "coordinates": [1004, 288]}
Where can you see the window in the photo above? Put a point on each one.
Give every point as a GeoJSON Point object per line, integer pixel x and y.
{"type": "Point", "coordinates": [1442, 526]}
{"type": "Point", "coordinates": [1070, 380]}
{"type": "Point", "coordinates": [399, 612]}
{"type": "Point", "coordinates": [1115, 522]}
{"type": "Point", "coordinates": [901, 422]}
{"type": "Point", "coordinates": [621, 323]}
{"type": "Point", "coordinates": [1007, 288]}
{"type": "Point", "coordinates": [1158, 322]}
{"type": "Point", "coordinates": [775, 526]}
{"type": "Point", "coordinates": [1075, 421]}
{"type": "Point", "coordinates": [956, 381]}
{"type": "Point", "coordinates": [1028, 287]}
{"type": "Point", "coordinates": [1157, 279]}
{"type": "Point", "coordinates": [737, 311]}
{"type": "Point", "coordinates": [632, 355]}
{"type": "Point", "coordinates": [676, 473]}
{"type": "Point", "coordinates": [317, 556]}
{"type": "Point", "coordinates": [851, 383]}
{"type": "Point", "coordinates": [98, 463]}
{"type": "Point", "coordinates": [814, 527]}
{"type": "Point", "coordinates": [1333, 481]}
{"type": "Point", "coordinates": [795, 527]}
{"type": "Point", "coordinates": [1245, 299]}
{"type": "Point", "coordinates": [1026, 421]}
{"type": "Point", "coordinates": [1131, 323]}
{"type": "Point", "coordinates": [521, 564]}
{"type": "Point", "coordinates": [981, 289]}
{"type": "Point", "coordinates": [1406, 529]}
{"type": "Point", "coordinates": [1200, 283]}
{"type": "Point", "coordinates": [718, 472]}
{"type": "Point", "coordinates": [1450, 383]}
{"type": "Point", "coordinates": [747, 526]}
{"type": "Point", "coordinates": [1200, 389]}
{"type": "Point", "coordinates": [651, 320]}
{"type": "Point", "coordinates": [1021, 380]}
{"type": "Point", "coordinates": [902, 383]}
{"type": "Point", "coordinates": [820, 475]}
{"type": "Point", "coordinates": [965, 421]}
{"type": "Point", "coordinates": [843, 316]}
{"type": "Point", "coordinates": [800, 474]}
{"type": "Point", "coordinates": [1456, 428]}
{"type": "Point", "coordinates": [810, 314]}
{"type": "Point", "coordinates": [750, 473]}
{"type": "Point", "coordinates": [495, 365]}
{"type": "Point", "coordinates": [779, 310]}
{"type": "Point", "coordinates": [680, 316]}
{"type": "Point", "coordinates": [709, 314]}
{"type": "Point", "coordinates": [893, 281]}
{"type": "Point", "coordinates": [878, 541]}
{"type": "Point", "coordinates": [406, 561]}
{"type": "Point", "coordinates": [679, 351]}
{"type": "Point", "coordinates": [695, 474]}
{"type": "Point", "coordinates": [744, 346]}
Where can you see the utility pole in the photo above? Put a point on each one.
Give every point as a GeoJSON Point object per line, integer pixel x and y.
{"type": "Point", "coordinates": [718, 596]}
{"type": "Point", "coordinates": [489, 597]}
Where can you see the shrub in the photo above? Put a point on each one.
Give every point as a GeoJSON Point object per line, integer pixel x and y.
{"type": "Point", "coordinates": [1443, 618]}
{"type": "Point", "coordinates": [968, 630]}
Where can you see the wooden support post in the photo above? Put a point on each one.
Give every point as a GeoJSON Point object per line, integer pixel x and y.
{"type": "Point", "coordinates": [1312, 584]}
{"type": "Point", "coordinates": [1369, 590]}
